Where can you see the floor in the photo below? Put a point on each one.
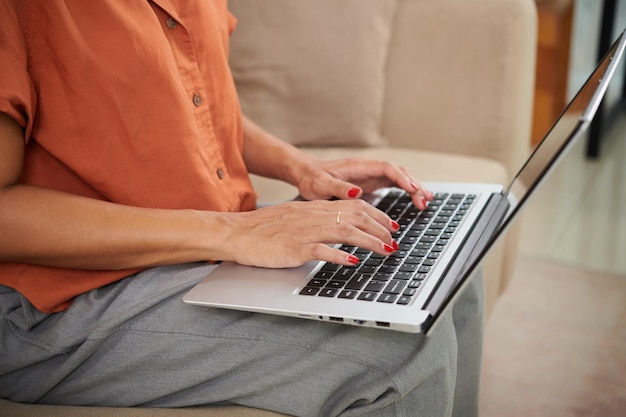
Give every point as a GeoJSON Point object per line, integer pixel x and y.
{"type": "Point", "coordinates": [555, 344]}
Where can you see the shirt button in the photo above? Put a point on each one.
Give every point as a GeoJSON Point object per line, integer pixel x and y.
{"type": "Point", "coordinates": [220, 173]}
{"type": "Point", "coordinates": [197, 100]}
{"type": "Point", "coordinates": [171, 23]}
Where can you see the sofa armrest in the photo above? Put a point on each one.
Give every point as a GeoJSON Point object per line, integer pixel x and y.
{"type": "Point", "coordinates": [460, 78]}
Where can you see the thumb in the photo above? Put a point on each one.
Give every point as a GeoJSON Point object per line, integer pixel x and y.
{"type": "Point", "coordinates": [345, 190]}
{"type": "Point", "coordinates": [341, 189]}
{"type": "Point", "coordinates": [331, 187]}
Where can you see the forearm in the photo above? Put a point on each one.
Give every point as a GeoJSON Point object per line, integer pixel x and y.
{"type": "Point", "coordinates": [270, 157]}
{"type": "Point", "coordinates": [51, 228]}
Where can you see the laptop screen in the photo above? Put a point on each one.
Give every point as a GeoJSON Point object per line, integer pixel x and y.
{"type": "Point", "coordinates": [569, 127]}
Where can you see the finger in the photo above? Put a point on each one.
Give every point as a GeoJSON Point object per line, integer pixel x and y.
{"type": "Point", "coordinates": [384, 173]}
{"type": "Point", "coordinates": [348, 234]}
{"type": "Point", "coordinates": [419, 193]}
{"type": "Point", "coordinates": [359, 229]}
{"type": "Point", "coordinates": [330, 254]}
{"type": "Point", "coordinates": [367, 217]}
{"type": "Point", "coordinates": [337, 187]}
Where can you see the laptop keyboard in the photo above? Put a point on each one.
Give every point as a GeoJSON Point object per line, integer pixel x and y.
{"type": "Point", "coordinates": [397, 278]}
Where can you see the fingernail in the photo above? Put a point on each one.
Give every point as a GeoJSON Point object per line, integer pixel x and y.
{"type": "Point", "coordinates": [353, 192]}
{"type": "Point", "coordinates": [395, 225]}
{"type": "Point", "coordinates": [388, 248]}
{"type": "Point", "coordinates": [413, 186]}
{"type": "Point", "coordinates": [395, 245]}
{"type": "Point", "coordinates": [353, 259]}
{"type": "Point", "coordinates": [423, 201]}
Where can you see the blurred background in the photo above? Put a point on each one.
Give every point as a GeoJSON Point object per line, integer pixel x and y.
{"type": "Point", "coordinates": [556, 343]}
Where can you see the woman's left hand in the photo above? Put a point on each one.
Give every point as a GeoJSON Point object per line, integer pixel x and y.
{"type": "Point", "coordinates": [350, 178]}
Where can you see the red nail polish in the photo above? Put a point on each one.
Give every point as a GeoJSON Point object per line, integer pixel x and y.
{"type": "Point", "coordinates": [395, 225]}
{"type": "Point", "coordinates": [395, 245]}
{"type": "Point", "coordinates": [353, 192]}
{"type": "Point", "coordinates": [353, 259]}
{"type": "Point", "coordinates": [423, 201]}
{"type": "Point", "coordinates": [388, 248]}
{"type": "Point", "coordinates": [413, 186]}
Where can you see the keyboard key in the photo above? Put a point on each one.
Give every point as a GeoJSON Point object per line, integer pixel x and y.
{"type": "Point", "coordinates": [387, 269]}
{"type": "Point", "coordinates": [404, 275]}
{"type": "Point", "coordinates": [424, 245]}
{"type": "Point", "coordinates": [357, 282]}
{"type": "Point", "coordinates": [405, 246]}
{"type": "Point", "coordinates": [330, 267]}
{"type": "Point", "coordinates": [404, 300]}
{"type": "Point", "coordinates": [348, 294]}
{"type": "Point", "coordinates": [410, 291]}
{"type": "Point", "coordinates": [366, 269]}
{"type": "Point", "coordinates": [415, 284]}
{"type": "Point", "coordinates": [408, 268]}
{"type": "Point", "coordinates": [344, 274]}
{"type": "Point", "coordinates": [429, 262]}
{"type": "Point", "coordinates": [335, 284]}
{"type": "Point", "coordinates": [413, 259]}
{"type": "Point", "coordinates": [392, 261]}
{"type": "Point", "coordinates": [321, 274]}
{"type": "Point", "coordinates": [395, 286]}
{"type": "Point", "coordinates": [387, 298]}
{"type": "Point", "coordinates": [309, 291]}
{"type": "Point", "coordinates": [374, 286]}
{"type": "Point", "coordinates": [327, 292]}
{"type": "Point", "coordinates": [367, 296]}
{"type": "Point", "coordinates": [399, 254]}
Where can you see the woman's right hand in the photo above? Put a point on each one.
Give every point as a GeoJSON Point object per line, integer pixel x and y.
{"type": "Point", "coordinates": [293, 233]}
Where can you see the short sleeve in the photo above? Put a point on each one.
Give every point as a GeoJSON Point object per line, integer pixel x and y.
{"type": "Point", "coordinates": [17, 93]}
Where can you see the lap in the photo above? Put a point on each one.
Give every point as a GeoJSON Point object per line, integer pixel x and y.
{"type": "Point", "coordinates": [135, 343]}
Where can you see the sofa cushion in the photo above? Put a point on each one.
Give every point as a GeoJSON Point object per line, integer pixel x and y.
{"type": "Point", "coordinates": [323, 84]}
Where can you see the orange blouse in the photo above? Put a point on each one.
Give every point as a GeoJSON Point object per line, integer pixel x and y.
{"type": "Point", "coordinates": [129, 102]}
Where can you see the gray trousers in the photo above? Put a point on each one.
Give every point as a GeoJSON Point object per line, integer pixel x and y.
{"type": "Point", "coordinates": [134, 343]}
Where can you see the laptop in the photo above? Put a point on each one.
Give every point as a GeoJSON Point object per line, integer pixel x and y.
{"type": "Point", "coordinates": [440, 248]}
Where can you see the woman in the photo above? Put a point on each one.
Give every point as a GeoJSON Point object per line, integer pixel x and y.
{"type": "Point", "coordinates": [124, 162]}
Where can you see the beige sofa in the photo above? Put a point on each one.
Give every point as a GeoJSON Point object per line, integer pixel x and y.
{"type": "Point", "coordinates": [443, 87]}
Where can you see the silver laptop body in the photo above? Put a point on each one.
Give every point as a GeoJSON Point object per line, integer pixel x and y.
{"type": "Point", "coordinates": [491, 210]}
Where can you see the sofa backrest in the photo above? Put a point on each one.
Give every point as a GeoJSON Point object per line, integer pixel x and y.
{"type": "Point", "coordinates": [460, 77]}
{"type": "Point", "coordinates": [445, 75]}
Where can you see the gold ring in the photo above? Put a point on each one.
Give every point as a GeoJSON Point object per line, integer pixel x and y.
{"type": "Point", "coordinates": [338, 217]}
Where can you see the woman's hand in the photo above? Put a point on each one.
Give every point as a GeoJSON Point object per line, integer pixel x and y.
{"type": "Point", "coordinates": [294, 233]}
{"type": "Point", "coordinates": [350, 178]}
